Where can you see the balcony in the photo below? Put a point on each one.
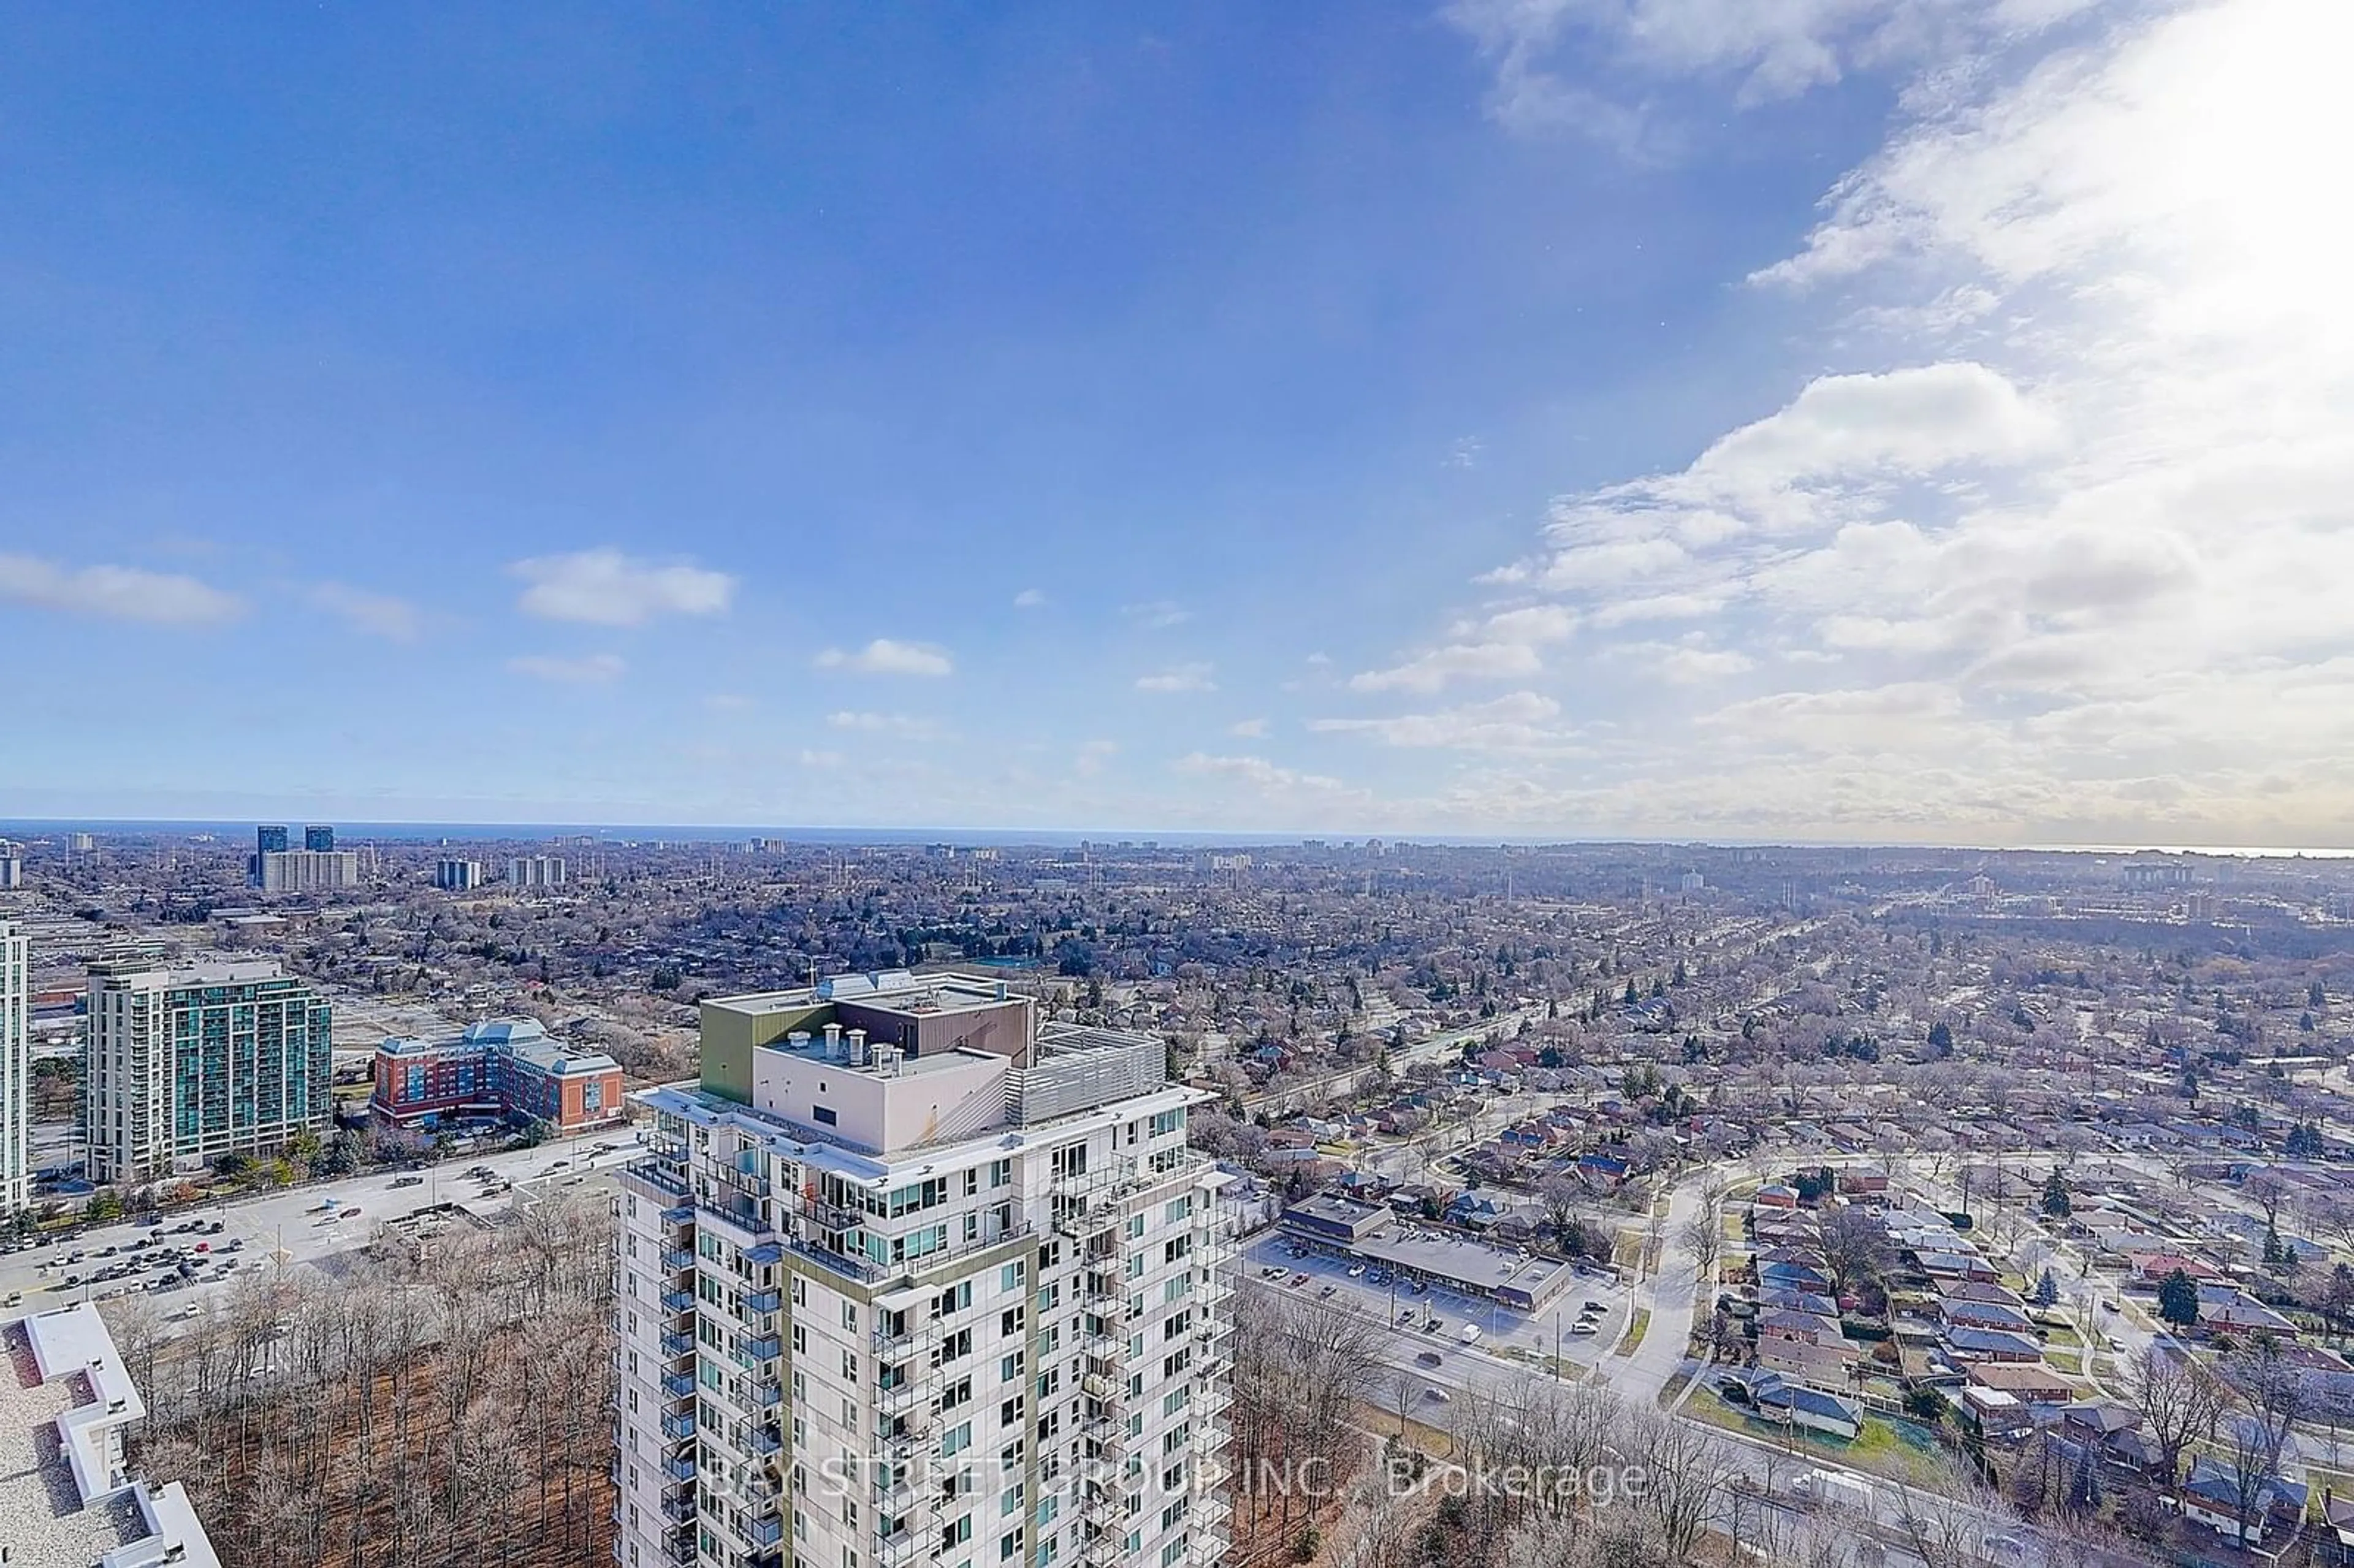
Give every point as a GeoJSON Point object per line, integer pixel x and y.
{"type": "Point", "coordinates": [764, 1301]}
{"type": "Point", "coordinates": [679, 1385]}
{"type": "Point", "coordinates": [1106, 1434]}
{"type": "Point", "coordinates": [679, 1513]}
{"type": "Point", "coordinates": [900, 1398]}
{"type": "Point", "coordinates": [897, 1548]}
{"type": "Point", "coordinates": [678, 1428]}
{"type": "Point", "coordinates": [765, 1532]}
{"type": "Point", "coordinates": [678, 1468]}
{"type": "Point", "coordinates": [767, 1395]}
{"type": "Point", "coordinates": [739, 1228]}
{"type": "Point", "coordinates": [648, 1178]}
{"type": "Point", "coordinates": [857, 1268]}
{"type": "Point", "coordinates": [678, 1260]}
{"type": "Point", "coordinates": [674, 1344]}
{"type": "Point", "coordinates": [763, 1347]}
{"type": "Point", "coordinates": [764, 1441]}
{"type": "Point", "coordinates": [678, 1301]}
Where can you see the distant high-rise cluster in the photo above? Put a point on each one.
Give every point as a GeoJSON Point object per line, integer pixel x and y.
{"type": "Point", "coordinates": [537, 871]}
{"type": "Point", "coordinates": [317, 867]}
{"type": "Point", "coordinates": [188, 1064]}
{"type": "Point", "coordinates": [458, 875]}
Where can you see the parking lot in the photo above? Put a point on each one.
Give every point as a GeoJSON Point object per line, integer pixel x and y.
{"type": "Point", "coordinates": [202, 1252]}
{"type": "Point", "coordinates": [1506, 1343]}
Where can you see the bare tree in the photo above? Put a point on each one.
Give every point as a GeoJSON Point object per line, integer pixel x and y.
{"type": "Point", "coordinates": [2270, 1395]}
{"type": "Point", "coordinates": [2179, 1400]}
{"type": "Point", "coordinates": [1687, 1470]}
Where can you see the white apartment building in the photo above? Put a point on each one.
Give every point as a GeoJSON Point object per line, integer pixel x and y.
{"type": "Point", "coordinates": [15, 1069]}
{"type": "Point", "coordinates": [458, 875]}
{"type": "Point", "coordinates": [308, 870]}
{"type": "Point", "coordinates": [913, 1280]}
{"type": "Point", "coordinates": [186, 1065]}
{"type": "Point", "coordinates": [12, 871]}
{"type": "Point", "coordinates": [537, 871]}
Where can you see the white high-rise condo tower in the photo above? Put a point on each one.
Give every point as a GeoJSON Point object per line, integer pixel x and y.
{"type": "Point", "coordinates": [911, 1278]}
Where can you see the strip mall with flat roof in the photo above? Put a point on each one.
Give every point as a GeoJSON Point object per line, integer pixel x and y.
{"type": "Point", "coordinates": [1374, 1234]}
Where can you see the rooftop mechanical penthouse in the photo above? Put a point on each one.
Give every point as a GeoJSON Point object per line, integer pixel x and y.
{"type": "Point", "coordinates": [912, 1277]}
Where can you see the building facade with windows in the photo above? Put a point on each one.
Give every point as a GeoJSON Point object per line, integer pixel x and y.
{"type": "Point", "coordinates": [16, 1068]}
{"type": "Point", "coordinates": [186, 1065]}
{"type": "Point", "coordinates": [308, 870]}
{"type": "Point", "coordinates": [458, 875]}
{"type": "Point", "coordinates": [537, 871]}
{"type": "Point", "coordinates": [912, 1278]}
{"type": "Point", "coordinates": [505, 1069]}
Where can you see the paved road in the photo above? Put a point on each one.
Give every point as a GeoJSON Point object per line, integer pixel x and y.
{"type": "Point", "coordinates": [291, 1221]}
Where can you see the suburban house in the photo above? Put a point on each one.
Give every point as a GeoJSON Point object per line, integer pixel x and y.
{"type": "Point", "coordinates": [1811, 1408]}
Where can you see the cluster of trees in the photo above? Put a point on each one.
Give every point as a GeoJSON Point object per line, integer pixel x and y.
{"type": "Point", "coordinates": [448, 1406]}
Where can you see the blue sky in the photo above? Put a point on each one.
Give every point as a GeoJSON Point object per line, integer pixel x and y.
{"type": "Point", "coordinates": [1660, 417]}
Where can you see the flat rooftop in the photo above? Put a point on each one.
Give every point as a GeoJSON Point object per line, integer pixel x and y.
{"type": "Point", "coordinates": [888, 990]}
{"type": "Point", "coordinates": [64, 1499]}
{"type": "Point", "coordinates": [1467, 1261]}
{"type": "Point", "coordinates": [41, 1508]}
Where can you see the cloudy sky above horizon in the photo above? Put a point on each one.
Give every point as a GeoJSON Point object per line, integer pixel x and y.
{"type": "Point", "coordinates": [1841, 419]}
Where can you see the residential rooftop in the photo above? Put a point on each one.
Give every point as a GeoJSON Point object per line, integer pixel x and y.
{"type": "Point", "coordinates": [65, 1498]}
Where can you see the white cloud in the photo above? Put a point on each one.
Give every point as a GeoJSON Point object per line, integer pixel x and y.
{"type": "Point", "coordinates": [1248, 729]}
{"type": "Point", "coordinates": [1157, 616]}
{"type": "Point", "coordinates": [1030, 599]}
{"type": "Point", "coordinates": [1455, 662]}
{"type": "Point", "coordinates": [1502, 646]}
{"type": "Point", "coordinates": [1762, 51]}
{"type": "Point", "coordinates": [379, 615]}
{"type": "Point", "coordinates": [2057, 552]}
{"type": "Point", "coordinates": [1092, 756]}
{"type": "Point", "coordinates": [587, 669]}
{"type": "Point", "coordinates": [606, 587]}
{"type": "Point", "coordinates": [1257, 772]}
{"type": "Point", "coordinates": [1195, 677]}
{"type": "Point", "coordinates": [1519, 721]}
{"type": "Point", "coordinates": [884, 656]}
{"type": "Point", "coordinates": [116, 593]}
{"type": "Point", "coordinates": [905, 727]}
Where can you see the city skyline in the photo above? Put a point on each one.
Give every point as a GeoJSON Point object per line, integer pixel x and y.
{"type": "Point", "coordinates": [1495, 421]}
